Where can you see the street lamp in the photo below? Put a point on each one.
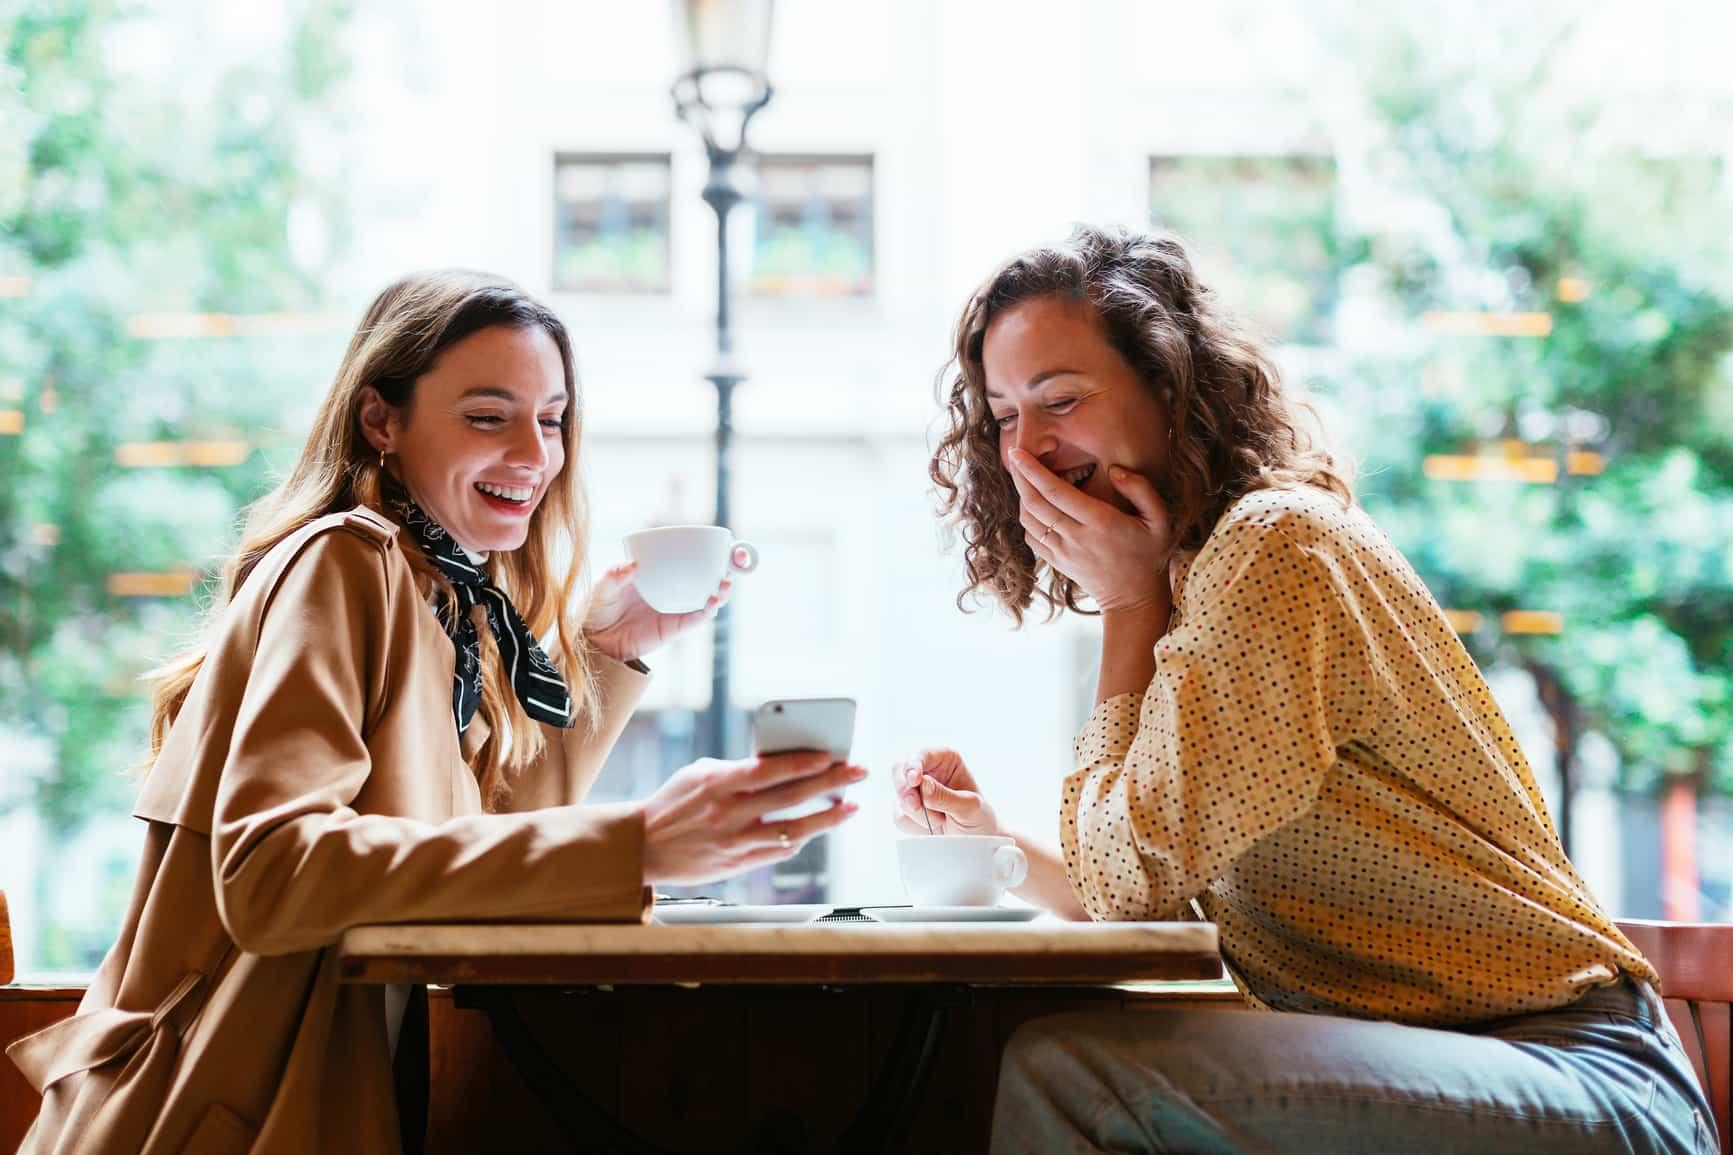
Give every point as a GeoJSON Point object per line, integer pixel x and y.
{"type": "Point", "coordinates": [723, 46]}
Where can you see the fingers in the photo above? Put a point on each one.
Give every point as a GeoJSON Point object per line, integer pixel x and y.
{"type": "Point", "coordinates": [703, 614]}
{"type": "Point", "coordinates": [906, 784]}
{"type": "Point", "coordinates": [764, 856]}
{"type": "Point", "coordinates": [716, 600]}
{"type": "Point", "coordinates": [1055, 492]}
{"type": "Point", "coordinates": [617, 576]}
{"type": "Point", "coordinates": [768, 770]}
{"type": "Point", "coordinates": [932, 785]}
{"type": "Point", "coordinates": [1036, 530]}
{"type": "Point", "coordinates": [909, 805]}
{"type": "Point", "coordinates": [960, 804]}
{"type": "Point", "coordinates": [1050, 548]}
{"type": "Point", "coordinates": [1140, 492]}
{"type": "Point", "coordinates": [1043, 546]}
{"type": "Point", "coordinates": [940, 762]}
{"type": "Point", "coordinates": [694, 617]}
{"type": "Point", "coordinates": [799, 830]}
{"type": "Point", "coordinates": [908, 825]}
{"type": "Point", "coordinates": [1032, 502]}
{"type": "Point", "coordinates": [831, 781]}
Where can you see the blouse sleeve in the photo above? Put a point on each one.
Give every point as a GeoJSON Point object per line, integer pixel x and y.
{"type": "Point", "coordinates": [295, 865]}
{"type": "Point", "coordinates": [1255, 689]}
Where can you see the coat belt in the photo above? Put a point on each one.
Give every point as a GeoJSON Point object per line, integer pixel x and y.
{"type": "Point", "coordinates": [92, 1038]}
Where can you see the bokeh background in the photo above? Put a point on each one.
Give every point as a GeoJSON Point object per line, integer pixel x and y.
{"type": "Point", "coordinates": [1490, 240]}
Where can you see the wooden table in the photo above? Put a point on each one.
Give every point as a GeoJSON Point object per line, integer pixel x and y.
{"type": "Point", "coordinates": [1046, 952]}
{"type": "Point", "coordinates": [929, 970]}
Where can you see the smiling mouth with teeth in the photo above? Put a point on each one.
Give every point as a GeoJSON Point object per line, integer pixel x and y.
{"type": "Point", "coordinates": [1077, 477]}
{"type": "Point", "coordinates": [510, 494]}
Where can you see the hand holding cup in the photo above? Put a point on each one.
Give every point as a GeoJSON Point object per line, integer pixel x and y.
{"type": "Point", "coordinates": [621, 624]}
{"type": "Point", "coordinates": [677, 577]}
{"type": "Point", "coordinates": [679, 566]}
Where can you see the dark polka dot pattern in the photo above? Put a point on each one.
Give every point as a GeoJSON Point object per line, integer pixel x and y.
{"type": "Point", "coordinates": [1319, 764]}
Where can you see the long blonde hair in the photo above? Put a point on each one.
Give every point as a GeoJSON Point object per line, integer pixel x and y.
{"type": "Point", "coordinates": [1235, 427]}
{"type": "Point", "coordinates": [404, 332]}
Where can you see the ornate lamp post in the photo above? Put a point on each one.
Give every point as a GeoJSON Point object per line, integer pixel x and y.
{"type": "Point", "coordinates": [724, 46]}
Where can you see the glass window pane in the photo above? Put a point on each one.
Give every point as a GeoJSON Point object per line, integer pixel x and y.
{"type": "Point", "coordinates": [814, 226]}
{"type": "Point", "coordinates": [611, 224]}
{"type": "Point", "coordinates": [1262, 230]}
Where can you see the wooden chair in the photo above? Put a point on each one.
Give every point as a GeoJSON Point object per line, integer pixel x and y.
{"type": "Point", "coordinates": [1695, 961]}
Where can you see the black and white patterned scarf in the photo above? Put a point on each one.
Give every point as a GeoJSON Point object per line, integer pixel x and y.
{"type": "Point", "coordinates": [537, 683]}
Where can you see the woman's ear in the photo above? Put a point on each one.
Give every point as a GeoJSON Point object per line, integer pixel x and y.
{"type": "Point", "coordinates": [378, 419]}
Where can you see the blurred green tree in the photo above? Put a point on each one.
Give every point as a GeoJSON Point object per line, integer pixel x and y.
{"type": "Point", "coordinates": [1556, 434]}
{"type": "Point", "coordinates": [146, 211]}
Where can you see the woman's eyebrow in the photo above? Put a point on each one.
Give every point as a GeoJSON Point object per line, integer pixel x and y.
{"type": "Point", "coordinates": [502, 394]}
{"type": "Point", "coordinates": [1038, 380]}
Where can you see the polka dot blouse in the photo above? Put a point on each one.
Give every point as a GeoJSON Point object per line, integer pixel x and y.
{"type": "Point", "coordinates": [1319, 764]}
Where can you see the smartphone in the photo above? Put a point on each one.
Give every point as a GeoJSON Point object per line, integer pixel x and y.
{"type": "Point", "coordinates": [785, 725]}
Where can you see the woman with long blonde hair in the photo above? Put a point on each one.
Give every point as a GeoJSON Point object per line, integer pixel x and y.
{"type": "Point", "coordinates": [371, 730]}
{"type": "Point", "coordinates": [1288, 737]}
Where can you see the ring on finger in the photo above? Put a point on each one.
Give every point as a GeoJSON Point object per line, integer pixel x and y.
{"type": "Point", "coordinates": [782, 837]}
{"type": "Point", "coordinates": [1046, 532]}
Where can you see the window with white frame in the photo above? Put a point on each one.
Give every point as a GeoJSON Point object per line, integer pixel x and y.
{"type": "Point", "coordinates": [814, 226]}
{"type": "Point", "coordinates": [611, 223]}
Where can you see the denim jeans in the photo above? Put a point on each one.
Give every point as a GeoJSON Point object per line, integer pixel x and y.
{"type": "Point", "coordinates": [1605, 1074]}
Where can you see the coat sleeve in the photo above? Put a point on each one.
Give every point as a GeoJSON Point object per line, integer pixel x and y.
{"type": "Point", "coordinates": [573, 758]}
{"type": "Point", "coordinates": [1253, 694]}
{"type": "Point", "coordinates": [295, 865]}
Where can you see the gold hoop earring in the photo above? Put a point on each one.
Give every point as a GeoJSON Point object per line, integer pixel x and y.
{"type": "Point", "coordinates": [382, 461]}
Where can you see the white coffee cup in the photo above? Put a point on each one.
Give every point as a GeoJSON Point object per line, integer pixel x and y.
{"type": "Point", "coordinates": [960, 869]}
{"type": "Point", "coordinates": [680, 566]}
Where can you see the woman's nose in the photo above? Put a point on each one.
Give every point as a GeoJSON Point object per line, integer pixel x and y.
{"type": "Point", "coordinates": [529, 448]}
{"type": "Point", "coordinates": [1033, 436]}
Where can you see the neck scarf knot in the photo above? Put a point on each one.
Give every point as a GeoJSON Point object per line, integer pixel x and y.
{"type": "Point", "coordinates": [534, 679]}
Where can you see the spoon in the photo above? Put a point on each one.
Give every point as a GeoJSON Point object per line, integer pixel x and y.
{"type": "Point", "coordinates": [926, 814]}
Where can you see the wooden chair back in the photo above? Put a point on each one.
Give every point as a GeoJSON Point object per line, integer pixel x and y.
{"type": "Point", "coordinates": [1695, 961]}
{"type": "Point", "coordinates": [6, 969]}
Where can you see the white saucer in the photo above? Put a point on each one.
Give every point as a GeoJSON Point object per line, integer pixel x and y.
{"type": "Point", "coordinates": [951, 913]}
{"type": "Point", "coordinates": [693, 913]}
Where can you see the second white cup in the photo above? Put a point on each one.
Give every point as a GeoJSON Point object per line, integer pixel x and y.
{"type": "Point", "coordinates": [680, 566]}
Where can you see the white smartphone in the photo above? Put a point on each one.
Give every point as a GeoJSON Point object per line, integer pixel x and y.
{"type": "Point", "coordinates": [785, 725]}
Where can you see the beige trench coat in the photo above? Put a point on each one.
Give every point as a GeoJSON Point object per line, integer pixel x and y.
{"type": "Point", "coordinates": [312, 782]}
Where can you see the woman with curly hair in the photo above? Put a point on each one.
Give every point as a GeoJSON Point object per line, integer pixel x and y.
{"type": "Point", "coordinates": [1287, 734]}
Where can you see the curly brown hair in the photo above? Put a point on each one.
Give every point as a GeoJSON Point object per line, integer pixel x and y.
{"type": "Point", "coordinates": [1234, 427]}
